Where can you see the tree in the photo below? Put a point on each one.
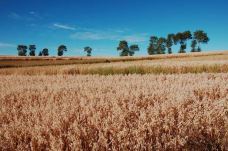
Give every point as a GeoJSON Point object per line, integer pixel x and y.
{"type": "Point", "coordinates": [88, 50]}
{"type": "Point", "coordinates": [161, 45]}
{"type": "Point", "coordinates": [157, 45]}
{"type": "Point", "coordinates": [182, 39]}
{"type": "Point", "coordinates": [132, 49]}
{"type": "Point", "coordinates": [40, 53]}
{"type": "Point", "coordinates": [125, 50]}
{"type": "Point", "coordinates": [201, 37]}
{"type": "Point", "coordinates": [32, 49]}
{"type": "Point", "coordinates": [170, 42]}
{"type": "Point", "coordinates": [152, 49]}
{"type": "Point", "coordinates": [193, 45]}
{"type": "Point", "coordinates": [123, 47]}
{"type": "Point", "coordinates": [61, 49]}
{"type": "Point", "coordinates": [45, 52]}
{"type": "Point", "coordinates": [22, 50]}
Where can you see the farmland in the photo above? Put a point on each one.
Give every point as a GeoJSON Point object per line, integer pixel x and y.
{"type": "Point", "coordinates": [164, 102]}
{"type": "Point", "coordinates": [15, 61]}
{"type": "Point", "coordinates": [214, 62]}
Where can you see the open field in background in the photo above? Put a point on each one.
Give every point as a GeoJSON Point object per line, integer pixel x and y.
{"type": "Point", "coordinates": [189, 64]}
{"type": "Point", "coordinates": [131, 112]}
{"type": "Point", "coordinates": [15, 61]}
{"type": "Point", "coordinates": [146, 67]}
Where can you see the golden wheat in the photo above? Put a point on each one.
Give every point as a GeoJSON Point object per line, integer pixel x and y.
{"type": "Point", "coordinates": [132, 112]}
{"type": "Point", "coordinates": [137, 67]}
{"type": "Point", "coordinates": [15, 61]}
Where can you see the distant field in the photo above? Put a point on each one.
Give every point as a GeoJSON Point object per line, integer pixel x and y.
{"type": "Point", "coordinates": [213, 62]}
{"type": "Point", "coordinates": [15, 61]}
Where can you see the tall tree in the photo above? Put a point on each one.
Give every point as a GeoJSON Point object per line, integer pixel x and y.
{"type": "Point", "coordinates": [170, 42]}
{"type": "Point", "coordinates": [132, 49]}
{"type": "Point", "coordinates": [45, 52]}
{"type": "Point", "coordinates": [161, 45]}
{"type": "Point", "coordinates": [193, 45]}
{"type": "Point", "coordinates": [61, 49]}
{"type": "Point", "coordinates": [182, 39]}
{"type": "Point", "coordinates": [22, 50]}
{"type": "Point", "coordinates": [152, 49]}
{"type": "Point", "coordinates": [201, 37]}
{"type": "Point", "coordinates": [123, 47]}
{"type": "Point", "coordinates": [32, 49]}
{"type": "Point", "coordinates": [88, 50]}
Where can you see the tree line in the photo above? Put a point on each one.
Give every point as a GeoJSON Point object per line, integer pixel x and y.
{"type": "Point", "coordinates": [23, 49]}
{"type": "Point", "coordinates": [157, 45]}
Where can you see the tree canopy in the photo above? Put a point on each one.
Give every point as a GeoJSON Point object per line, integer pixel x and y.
{"type": "Point", "coordinates": [123, 47]}
{"type": "Point", "coordinates": [161, 45]}
{"type": "Point", "coordinates": [182, 38]}
{"type": "Point", "coordinates": [88, 50]}
{"type": "Point", "coordinates": [45, 52]}
{"type": "Point", "coordinates": [157, 45]}
{"type": "Point", "coordinates": [22, 50]}
{"type": "Point", "coordinates": [32, 49]}
{"type": "Point", "coordinates": [170, 42]}
{"type": "Point", "coordinates": [133, 48]}
{"type": "Point", "coordinates": [152, 49]}
{"type": "Point", "coordinates": [201, 38]}
{"type": "Point", "coordinates": [61, 50]}
{"type": "Point", "coordinates": [126, 50]}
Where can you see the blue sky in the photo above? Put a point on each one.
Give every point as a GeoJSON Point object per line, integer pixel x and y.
{"type": "Point", "coordinates": [102, 23]}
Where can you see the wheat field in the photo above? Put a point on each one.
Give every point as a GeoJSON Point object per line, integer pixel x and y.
{"type": "Point", "coordinates": [33, 61]}
{"type": "Point", "coordinates": [118, 112]}
{"type": "Point", "coordinates": [135, 67]}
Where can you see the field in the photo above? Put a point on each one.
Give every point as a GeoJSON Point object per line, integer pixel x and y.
{"type": "Point", "coordinates": [15, 61]}
{"type": "Point", "coordinates": [214, 62]}
{"type": "Point", "coordinates": [155, 103]}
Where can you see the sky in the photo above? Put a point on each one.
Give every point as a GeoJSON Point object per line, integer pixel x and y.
{"type": "Point", "coordinates": [101, 24]}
